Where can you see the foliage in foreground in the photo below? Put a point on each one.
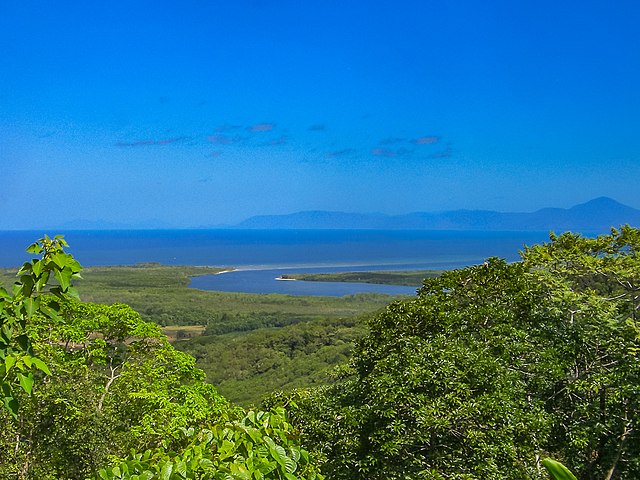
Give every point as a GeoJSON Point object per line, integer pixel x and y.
{"type": "Point", "coordinates": [557, 470]}
{"type": "Point", "coordinates": [492, 366]}
{"type": "Point", "coordinates": [486, 371]}
{"type": "Point", "coordinates": [17, 361]}
{"type": "Point", "coordinates": [115, 386]}
{"type": "Point", "coordinates": [257, 446]}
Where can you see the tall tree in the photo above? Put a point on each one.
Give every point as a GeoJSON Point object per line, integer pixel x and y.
{"type": "Point", "coordinates": [115, 386]}
{"type": "Point", "coordinates": [492, 366]}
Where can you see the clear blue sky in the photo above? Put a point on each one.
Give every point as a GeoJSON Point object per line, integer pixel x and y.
{"type": "Point", "coordinates": [190, 113]}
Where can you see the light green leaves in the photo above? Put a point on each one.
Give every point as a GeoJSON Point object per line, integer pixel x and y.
{"type": "Point", "coordinates": [493, 364]}
{"type": "Point", "coordinates": [26, 382]}
{"type": "Point", "coordinates": [233, 449]}
{"type": "Point", "coordinates": [557, 470]}
{"type": "Point", "coordinates": [16, 310]}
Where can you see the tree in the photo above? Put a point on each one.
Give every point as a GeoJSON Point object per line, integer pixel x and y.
{"type": "Point", "coordinates": [595, 404]}
{"type": "Point", "coordinates": [116, 386]}
{"type": "Point", "coordinates": [17, 362]}
{"type": "Point", "coordinates": [492, 366]}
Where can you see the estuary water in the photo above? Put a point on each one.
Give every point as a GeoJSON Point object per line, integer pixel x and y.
{"type": "Point", "coordinates": [267, 280]}
{"type": "Point", "coordinates": [262, 255]}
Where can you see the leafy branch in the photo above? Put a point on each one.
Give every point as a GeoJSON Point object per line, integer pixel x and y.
{"type": "Point", "coordinates": [42, 284]}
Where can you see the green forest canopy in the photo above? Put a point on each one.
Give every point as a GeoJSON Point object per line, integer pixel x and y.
{"type": "Point", "coordinates": [488, 370]}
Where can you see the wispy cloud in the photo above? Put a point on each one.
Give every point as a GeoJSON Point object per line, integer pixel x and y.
{"type": "Point", "coordinates": [148, 142]}
{"type": "Point", "coordinates": [226, 128]}
{"type": "Point", "coordinates": [225, 139]}
{"type": "Point", "coordinates": [318, 127]}
{"type": "Point", "coordinates": [426, 140]}
{"type": "Point", "coordinates": [220, 139]}
{"type": "Point", "coordinates": [391, 140]}
{"type": "Point", "coordinates": [137, 143]}
{"type": "Point", "coordinates": [169, 141]}
{"type": "Point", "coordinates": [340, 153]}
{"type": "Point", "coordinates": [443, 154]}
{"type": "Point", "coordinates": [390, 153]}
{"type": "Point", "coordinates": [282, 140]}
{"type": "Point", "coordinates": [261, 127]}
{"type": "Point", "coordinates": [215, 154]}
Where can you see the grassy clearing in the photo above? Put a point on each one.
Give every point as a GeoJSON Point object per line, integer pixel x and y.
{"type": "Point", "coordinates": [182, 332]}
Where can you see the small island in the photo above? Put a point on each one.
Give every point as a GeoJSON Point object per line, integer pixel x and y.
{"type": "Point", "coordinates": [406, 278]}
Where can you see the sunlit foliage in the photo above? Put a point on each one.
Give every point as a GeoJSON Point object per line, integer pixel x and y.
{"type": "Point", "coordinates": [490, 368]}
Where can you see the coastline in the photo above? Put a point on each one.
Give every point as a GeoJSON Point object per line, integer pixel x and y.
{"type": "Point", "coordinates": [225, 271]}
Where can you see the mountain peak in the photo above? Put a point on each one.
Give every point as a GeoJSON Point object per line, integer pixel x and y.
{"type": "Point", "coordinates": [597, 215]}
{"type": "Point", "coordinates": [602, 204]}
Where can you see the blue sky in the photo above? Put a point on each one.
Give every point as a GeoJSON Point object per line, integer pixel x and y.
{"type": "Point", "coordinates": [194, 113]}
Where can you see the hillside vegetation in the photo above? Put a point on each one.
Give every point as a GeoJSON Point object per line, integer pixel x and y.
{"type": "Point", "coordinates": [248, 344]}
{"type": "Point", "coordinates": [491, 368]}
{"type": "Point", "coordinates": [486, 372]}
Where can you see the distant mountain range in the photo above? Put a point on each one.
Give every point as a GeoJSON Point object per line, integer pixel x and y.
{"type": "Point", "coordinates": [597, 215]}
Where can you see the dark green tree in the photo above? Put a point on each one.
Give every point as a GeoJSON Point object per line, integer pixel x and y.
{"type": "Point", "coordinates": [491, 367]}
{"type": "Point", "coordinates": [115, 387]}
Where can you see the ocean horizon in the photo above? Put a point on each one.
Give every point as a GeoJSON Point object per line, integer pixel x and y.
{"type": "Point", "coordinates": [260, 256]}
{"type": "Point", "coordinates": [272, 248]}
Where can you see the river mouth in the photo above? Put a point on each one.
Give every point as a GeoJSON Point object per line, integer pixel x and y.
{"type": "Point", "coordinates": [266, 280]}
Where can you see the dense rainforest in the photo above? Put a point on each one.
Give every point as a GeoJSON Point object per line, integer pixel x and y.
{"type": "Point", "coordinates": [484, 374]}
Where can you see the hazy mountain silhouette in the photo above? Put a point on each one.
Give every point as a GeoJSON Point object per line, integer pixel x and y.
{"type": "Point", "coordinates": [597, 215]}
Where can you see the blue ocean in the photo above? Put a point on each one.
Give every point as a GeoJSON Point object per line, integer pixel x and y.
{"type": "Point", "coordinates": [262, 255]}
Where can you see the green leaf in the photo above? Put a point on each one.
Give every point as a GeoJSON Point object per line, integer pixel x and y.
{"type": "Point", "coordinates": [295, 453]}
{"type": "Point", "coordinates": [64, 277]}
{"type": "Point", "coordinates": [27, 285]}
{"type": "Point", "coordinates": [103, 474]}
{"type": "Point", "coordinates": [181, 468]}
{"type": "Point", "coordinates": [40, 365]}
{"type": "Point", "coordinates": [9, 362]}
{"type": "Point", "coordinates": [557, 470]}
{"type": "Point", "coordinates": [290, 464]}
{"type": "Point", "coordinates": [7, 332]}
{"type": "Point", "coordinates": [167, 469]}
{"type": "Point", "coordinates": [11, 404]}
{"type": "Point", "coordinates": [42, 281]}
{"type": "Point", "coordinates": [60, 239]}
{"type": "Point", "coordinates": [72, 292]}
{"type": "Point", "coordinates": [59, 259]}
{"type": "Point", "coordinates": [37, 267]}
{"type": "Point", "coordinates": [34, 248]}
{"type": "Point", "coordinates": [30, 306]}
{"type": "Point", "coordinates": [50, 312]}
{"type": "Point", "coordinates": [26, 382]}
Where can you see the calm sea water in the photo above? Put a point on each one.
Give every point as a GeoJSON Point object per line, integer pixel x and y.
{"type": "Point", "coordinates": [262, 255]}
